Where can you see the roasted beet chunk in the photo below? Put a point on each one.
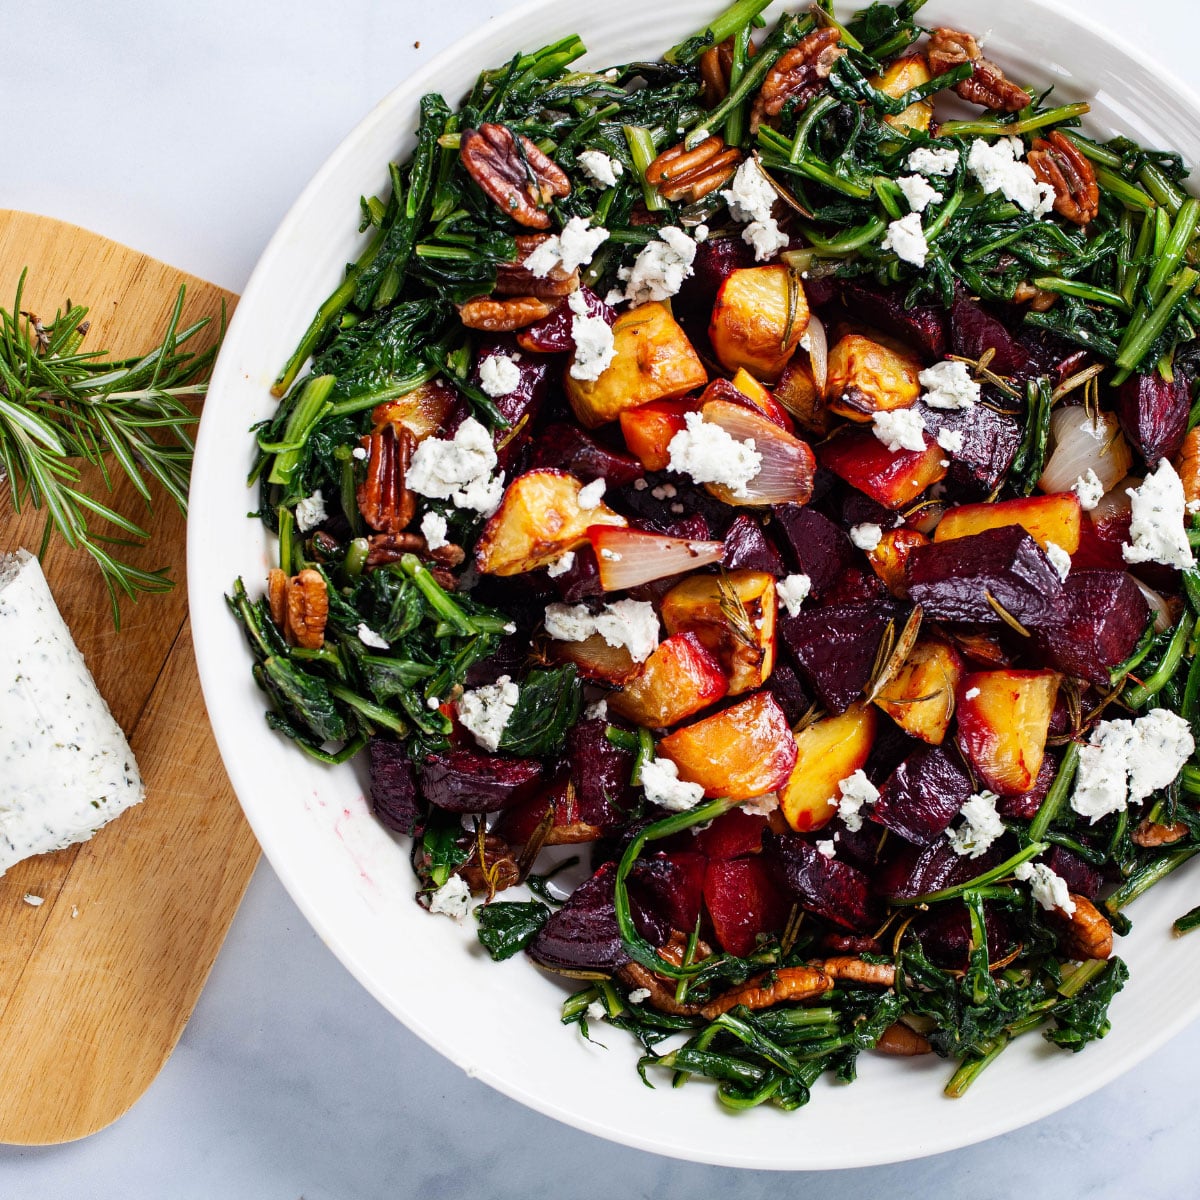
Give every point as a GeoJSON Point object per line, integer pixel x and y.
{"type": "Point", "coordinates": [835, 648]}
{"type": "Point", "coordinates": [1153, 414]}
{"type": "Point", "coordinates": [973, 332]}
{"type": "Point", "coordinates": [784, 684]}
{"type": "Point", "coordinates": [599, 772]}
{"type": "Point", "coordinates": [1080, 876]}
{"type": "Point", "coordinates": [743, 902]}
{"type": "Point", "coordinates": [826, 886]}
{"type": "Point", "coordinates": [568, 448]}
{"type": "Point", "coordinates": [464, 781]}
{"type": "Point", "coordinates": [668, 887]}
{"type": "Point", "coordinates": [716, 259]}
{"type": "Point", "coordinates": [990, 441]}
{"type": "Point", "coordinates": [945, 935]}
{"type": "Point", "coordinates": [923, 795]}
{"type": "Point", "coordinates": [819, 548]}
{"type": "Point", "coordinates": [1098, 621]}
{"type": "Point", "coordinates": [908, 871]}
{"type": "Point", "coordinates": [552, 334]}
{"type": "Point", "coordinates": [747, 548]}
{"type": "Point", "coordinates": [922, 326]}
{"type": "Point", "coordinates": [952, 580]}
{"type": "Point", "coordinates": [394, 786]}
{"type": "Point", "coordinates": [581, 579]}
{"type": "Point", "coordinates": [523, 403]}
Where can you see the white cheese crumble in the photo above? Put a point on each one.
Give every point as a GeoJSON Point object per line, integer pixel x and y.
{"type": "Point", "coordinates": [597, 1010]}
{"type": "Point", "coordinates": [1125, 761]}
{"type": "Point", "coordinates": [980, 828]}
{"type": "Point", "coordinates": [629, 623]}
{"type": "Point", "coordinates": [596, 711]}
{"type": "Point", "coordinates": [1046, 886]}
{"type": "Point", "coordinates": [750, 196]}
{"type": "Point", "coordinates": [610, 555]}
{"type": "Point", "coordinates": [310, 511]}
{"type": "Point", "coordinates": [700, 233]}
{"type": "Point", "coordinates": [933, 160]}
{"type": "Point", "coordinates": [1089, 489]}
{"type": "Point", "coordinates": [826, 848]}
{"type": "Point", "coordinates": [595, 346]}
{"type": "Point", "coordinates": [571, 249]}
{"type": "Point", "coordinates": [1060, 560]}
{"type": "Point", "coordinates": [1157, 532]}
{"type": "Point", "coordinates": [458, 469]}
{"type": "Point", "coordinates": [659, 270]}
{"type": "Point", "coordinates": [709, 454]}
{"type": "Point", "coordinates": [766, 238]}
{"type": "Point", "coordinates": [499, 375]}
{"type": "Point", "coordinates": [359, 452]}
{"type": "Point", "coordinates": [660, 779]}
{"type": "Point", "coordinates": [433, 526]}
{"type": "Point", "coordinates": [639, 995]}
{"type": "Point", "coordinates": [600, 168]}
{"type": "Point", "coordinates": [453, 898]}
{"type": "Point", "coordinates": [917, 192]}
{"type": "Point", "coordinates": [485, 711]}
{"type": "Point", "coordinates": [791, 591]}
{"type": "Point", "coordinates": [907, 239]}
{"type": "Point", "coordinates": [899, 429]}
{"type": "Point", "coordinates": [369, 637]}
{"type": "Point", "coordinates": [590, 494]}
{"type": "Point", "coordinates": [561, 565]}
{"type": "Point", "coordinates": [34, 901]}
{"type": "Point", "coordinates": [855, 791]}
{"type": "Point", "coordinates": [997, 167]}
{"type": "Point", "coordinates": [950, 440]}
{"type": "Point", "coordinates": [866, 536]}
{"type": "Point", "coordinates": [972, 693]}
{"type": "Point", "coordinates": [948, 384]}
{"type": "Point", "coordinates": [761, 806]}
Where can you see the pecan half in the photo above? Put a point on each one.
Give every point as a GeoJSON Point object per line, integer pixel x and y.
{"type": "Point", "coordinates": [513, 172]}
{"type": "Point", "coordinates": [902, 1042]}
{"type": "Point", "coordinates": [662, 995]}
{"type": "Point", "coordinates": [1088, 931]}
{"type": "Point", "coordinates": [1151, 833]}
{"type": "Point", "coordinates": [384, 548]}
{"type": "Point", "coordinates": [1037, 298]}
{"type": "Point", "coordinates": [716, 66]}
{"type": "Point", "coordinates": [491, 867]}
{"type": "Point", "coordinates": [307, 605]}
{"type": "Point", "coordinates": [1056, 160]}
{"type": "Point", "coordinates": [515, 279]}
{"type": "Point", "coordinates": [1187, 464]}
{"type": "Point", "coordinates": [503, 316]}
{"type": "Point", "coordinates": [987, 84]}
{"type": "Point", "coordinates": [858, 971]}
{"type": "Point", "coordinates": [385, 503]}
{"type": "Point", "coordinates": [800, 74]}
{"type": "Point", "coordinates": [277, 582]}
{"type": "Point", "coordinates": [786, 983]}
{"type": "Point", "coordinates": [678, 173]}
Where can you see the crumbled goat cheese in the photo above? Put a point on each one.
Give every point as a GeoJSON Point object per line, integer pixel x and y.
{"type": "Point", "coordinates": [595, 347]}
{"type": "Point", "coordinates": [629, 623]}
{"type": "Point", "coordinates": [866, 536]}
{"type": "Point", "coordinates": [899, 429]}
{"type": "Point", "coordinates": [599, 168]}
{"type": "Point", "coordinates": [709, 454]}
{"type": "Point", "coordinates": [433, 703]}
{"type": "Point", "coordinates": [1089, 489]}
{"type": "Point", "coordinates": [761, 806]}
{"type": "Point", "coordinates": [1125, 761]}
{"type": "Point", "coordinates": [933, 160]}
{"type": "Point", "coordinates": [950, 440]}
{"type": "Point", "coordinates": [639, 995]}
{"type": "Point", "coordinates": [980, 828]}
{"type": "Point", "coordinates": [995, 165]}
{"type": "Point", "coordinates": [571, 249]}
{"type": "Point", "coordinates": [855, 791]}
{"type": "Point", "coordinates": [1060, 560]}
{"type": "Point", "coordinates": [35, 901]}
{"type": "Point", "coordinates": [369, 637]}
{"type": "Point", "coordinates": [596, 711]}
{"type": "Point", "coordinates": [596, 1011]}
{"type": "Point", "coordinates": [590, 494]}
{"type": "Point", "coordinates": [948, 385]}
{"type": "Point", "coordinates": [433, 526]}
{"type": "Point", "coordinates": [560, 566]}
{"type": "Point", "coordinates": [310, 512]}
{"type": "Point", "coordinates": [659, 270]}
{"type": "Point", "coordinates": [1047, 887]}
{"type": "Point", "coordinates": [791, 591]}
{"type": "Point", "coordinates": [660, 778]}
{"type": "Point", "coordinates": [458, 469]}
{"type": "Point", "coordinates": [907, 239]}
{"type": "Point", "coordinates": [453, 898]}
{"type": "Point", "coordinates": [1193, 507]}
{"type": "Point", "coordinates": [826, 848]}
{"type": "Point", "coordinates": [972, 693]}
{"type": "Point", "coordinates": [359, 452]}
{"type": "Point", "coordinates": [1157, 531]}
{"type": "Point", "coordinates": [499, 375]}
{"type": "Point", "coordinates": [765, 237]}
{"type": "Point", "coordinates": [917, 192]}
{"type": "Point", "coordinates": [700, 233]}
{"type": "Point", "coordinates": [750, 197]}
{"type": "Point", "coordinates": [485, 711]}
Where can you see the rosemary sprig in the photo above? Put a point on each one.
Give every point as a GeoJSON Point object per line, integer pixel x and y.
{"type": "Point", "coordinates": [62, 408]}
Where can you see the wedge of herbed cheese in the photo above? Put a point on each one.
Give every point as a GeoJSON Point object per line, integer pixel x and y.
{"type": "Point", "coordinates": [65, 766]}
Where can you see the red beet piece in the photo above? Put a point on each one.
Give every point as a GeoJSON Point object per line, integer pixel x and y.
{"type": "Point", "coordinates": [1098, 621]}
{"type": "Point", "coordinates": [922, 326]}
{"type": "Point", "coordinates": [568, 448]}
{"type": "Point", "coordinates": [747, 548]}
{"type": "Point", "coordinates": [671, 886]}
{"type": "Point", "coordinates": [855, 586]}
{"type": "Point", "coordinates": [600, 772]}
{"type": "Point", "coordinates": [974, 331]}
{"type": "Point", "coordinates": [716, 259]}
{"type": "Point", "coordinates": [732, 835]}
{"type": "Point", "coordinates": [552, 334]}
{"type": "Point", "coordinates": [949, 579]}
{"type": "Point", "coordinates": [743, 902]}
{"type": "Point", "coordinates": [908, 871]}
{"type": "Point", "coordinates": [523, 403]}
{"type": "Point", "coordinates": [945, 935]}
{"type": "Point", "coordinates": [581, 579]}
{"type": "Point", "coordinates": [819, 548]}
{"type": "Point", "coordinates": [923, 795]}
{"type": "Point", "coordinates": [1100, 542]}
{"type": "Point", "coordinates": [788, 691]}
{"type": "Point", "coordinates": [1153, 414]}
{"type": "Point", "coordinates": [835, 647]}
{"type": "Point", "coordinates": [1080, 876]}
{"type": "Point", "coordinates": [990, 441]}
{"type": "Point", "coordinates": [394, 797]}
{"type": "Point", "coordinates": [465, 781]}
{"type": "Point", "coordinates": [829, 887]}
{"type": "Point", "coordinates": [1025, 805]}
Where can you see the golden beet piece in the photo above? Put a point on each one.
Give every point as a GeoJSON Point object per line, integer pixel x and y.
{"type": "Point", "coordinates": [758, 320]}
{"type": "Point", "coordinates": [1048, 519]}
{"type": "Point", "coordinates": [889, 556]}
{"type": "Point", "coordinates": [827, 751]}
{"type": "Point", "coordinates": [866, 377]}
{"type": "Point", "coordinates": [903, 75]}
{"type": "Point", "coordinates": [920, 696]}
{"type": "Point", "coordinates": [679, 679]}
{"type": "Point", "coordinates": [654, 361]}
{"type": "Point", "coordinates": [537, 522]}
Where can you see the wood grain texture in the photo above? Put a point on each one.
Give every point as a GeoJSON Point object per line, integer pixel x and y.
{"type": "Point", "coordinates": [97, 983]}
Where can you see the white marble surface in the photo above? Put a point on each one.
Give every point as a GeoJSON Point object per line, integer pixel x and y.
{"type": "Point", "coordinates": [186, 131]}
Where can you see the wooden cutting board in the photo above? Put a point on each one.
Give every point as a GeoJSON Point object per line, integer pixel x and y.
{"type": "Point", "coordinates": [97, 982]}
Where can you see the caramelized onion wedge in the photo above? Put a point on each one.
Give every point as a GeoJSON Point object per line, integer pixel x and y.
{"type": "Point", "coordinates": [636, 557]}
{"type": "Point", "coordinates": [786, 474]}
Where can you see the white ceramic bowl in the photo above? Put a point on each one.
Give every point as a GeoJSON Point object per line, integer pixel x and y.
{"type": "Point", "coordinates": [352, 879]}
